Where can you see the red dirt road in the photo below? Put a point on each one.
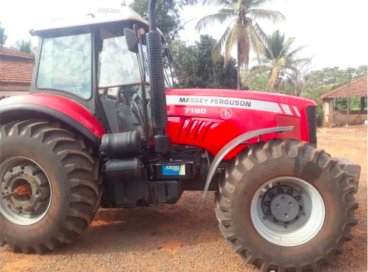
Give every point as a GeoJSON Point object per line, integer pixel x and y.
{"type": "Point", "coordinates": [185, 237]}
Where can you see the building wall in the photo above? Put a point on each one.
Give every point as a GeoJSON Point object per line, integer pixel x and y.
{"type": "Point", "coordinates": [327, 107]}
{"type": "Point", "coordinates": [354, 119]}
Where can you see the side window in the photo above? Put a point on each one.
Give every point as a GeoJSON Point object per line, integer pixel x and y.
{"type": "Point", "coordinates": [66, 65]}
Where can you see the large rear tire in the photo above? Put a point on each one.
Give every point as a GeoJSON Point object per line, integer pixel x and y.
{"type": "Point", "coordinates": [252, 194]}
{"type": "Point", "coordinates": [62, 179]}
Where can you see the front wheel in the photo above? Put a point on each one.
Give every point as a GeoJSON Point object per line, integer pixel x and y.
{"type": "Point", "coordinates": [286, 206]}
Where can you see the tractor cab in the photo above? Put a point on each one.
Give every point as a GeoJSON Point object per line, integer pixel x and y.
{"type": "Point", "coordinates": [100, 61]}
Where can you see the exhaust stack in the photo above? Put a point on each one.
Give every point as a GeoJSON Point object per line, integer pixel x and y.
{"type": "Point", "coordinates": [157, 81]}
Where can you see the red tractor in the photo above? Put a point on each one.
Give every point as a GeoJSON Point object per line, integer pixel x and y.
{"type": "Point", "coordinates": [102, 126]}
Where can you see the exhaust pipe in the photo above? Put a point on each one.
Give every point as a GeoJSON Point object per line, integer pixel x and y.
{"type": "Point", "coordinates": [157, 81]}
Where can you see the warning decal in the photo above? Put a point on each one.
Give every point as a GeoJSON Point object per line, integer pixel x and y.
{"type": "Point", "coordinates": [228, 102]}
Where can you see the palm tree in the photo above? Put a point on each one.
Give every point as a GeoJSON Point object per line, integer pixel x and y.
{"type": "Point", "coordinates": [24, 46]}
{"type": "Point", "coordinates": [243, 30]}
{"type": "Point", "coordinates": [279, 59]}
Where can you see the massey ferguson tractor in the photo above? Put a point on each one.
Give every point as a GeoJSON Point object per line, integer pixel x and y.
{"type": "Point", "coordinates": [103, 127]}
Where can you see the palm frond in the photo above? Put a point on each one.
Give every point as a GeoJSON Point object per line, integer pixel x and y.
{"type": "Point", "coordinates": [221, 17]}
{"type": "Point", "coordinates": [296, 51]}
{"type": "Point", "coordinates": [259, 69]}
{"type": "Point", "coordinates": [258, 29]}
{"type": "Point", "coordinates": [222, 3]}
{"type": "Point", "coordinates": [221, 43]}
{"type": "Point", "coordinates": [273, 15]}
{"type": "Point", "coordinates": [230, 43]}
{"type": "Point", "coordinates": [255, 41]}
{"type": "Point", "coordinates": [257, 3]}
{"type": "Point", "coordinates": [286, 47]}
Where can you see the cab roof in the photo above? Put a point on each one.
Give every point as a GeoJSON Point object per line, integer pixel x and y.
{"type": "Point", "coordinates": [100, 15]}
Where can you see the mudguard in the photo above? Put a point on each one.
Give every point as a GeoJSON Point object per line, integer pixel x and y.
{"type": "Point", "coordinates": [235, 142]}
{"type": "Point", "coordinates": [61, 108]}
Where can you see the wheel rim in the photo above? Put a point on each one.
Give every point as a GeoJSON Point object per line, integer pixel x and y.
{"type": "Point", "coordinates": [287, 211]}
{"type": "Point", "coordinates": [25, 191]}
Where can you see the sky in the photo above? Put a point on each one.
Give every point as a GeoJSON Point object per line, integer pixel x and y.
{"type": "Point", "coordinates": [334, 31]}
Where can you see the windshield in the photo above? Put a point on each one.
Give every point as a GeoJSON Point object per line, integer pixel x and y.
{"type": "Point", "coordinates": [118, 66]}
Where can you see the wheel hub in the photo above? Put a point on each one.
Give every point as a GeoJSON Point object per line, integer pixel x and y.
{"type": "Point", "coordinates": [25, 191]}
{"type": "Point", "coordinates": [284, 207]}
{"type": "Point", "coordinates": [282, 204]}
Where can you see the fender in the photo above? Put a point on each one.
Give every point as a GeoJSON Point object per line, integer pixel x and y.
{"type": "Point", "coordinates": [232, 144]}
{"type": "Point", "coordinates": [61, 108]}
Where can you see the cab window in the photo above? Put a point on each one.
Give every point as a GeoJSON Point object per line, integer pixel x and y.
{"type": "Point", "coordinates": [66, 65]}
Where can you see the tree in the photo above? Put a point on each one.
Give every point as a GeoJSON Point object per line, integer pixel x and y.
{"type": "Point", "coordinates": [243, 30]}
{"type": "Point", "coordinates": [167, 16]}
{"type": "Point", "coordinates": [194, 66]}
{"type": "Point", "coordinates": [279, 60]}
{"type": "Point", "coordinates": [24, 46]}
{"type": "Point", "coordinates": [3, 36]}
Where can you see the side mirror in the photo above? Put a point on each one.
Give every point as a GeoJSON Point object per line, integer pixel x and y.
{"type": "Point", "coordinates": [131, 39]}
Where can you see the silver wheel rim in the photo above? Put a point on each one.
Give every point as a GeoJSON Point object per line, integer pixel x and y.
{"type": "Point", "coordinates": [31, 208]}
{"type": "Point", "coordinates": [301, 229]}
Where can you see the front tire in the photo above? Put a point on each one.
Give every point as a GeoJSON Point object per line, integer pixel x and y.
{"type": "Point", "coordinates": [62, 180]}
{"type": "Point", "coordinates": [253, 192]}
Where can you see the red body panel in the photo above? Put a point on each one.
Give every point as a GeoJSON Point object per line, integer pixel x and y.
{"type": "Point", "coordinates": [211, 118]}
{"type": "Point", "coordinates": [64, 105]}
{"type": "Point", "coordinates": [205, 118]}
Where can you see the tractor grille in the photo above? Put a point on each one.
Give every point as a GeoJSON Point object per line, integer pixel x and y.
{"type": "Point", "coordinates": [312, 124]}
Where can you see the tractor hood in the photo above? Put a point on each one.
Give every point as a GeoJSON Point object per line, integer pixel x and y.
{"type": "Point", "coordinates": [213, 97]}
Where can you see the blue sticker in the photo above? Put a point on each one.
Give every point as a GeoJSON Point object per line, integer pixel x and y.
{"type": "Point", "coordinates": [173, 170]}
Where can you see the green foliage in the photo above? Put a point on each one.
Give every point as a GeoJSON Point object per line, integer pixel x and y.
{"type": "Point", "coordinates": [279, 60]}
{"type": "Point", "coordinates": [194, 66]}
{"type": "Point", "coordinates": [24, 46]}
{"type": "Point", "coordinates": [167, 15]}
{"type": "Point", "coordinates": [3, 36]}
{"type": "Point", "coordinates": [313, 84]}
{"type": "Point", "coordinates": [243, 30]}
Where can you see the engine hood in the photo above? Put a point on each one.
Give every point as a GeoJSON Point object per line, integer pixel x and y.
{"type": "Point", "coordinates": [248, 95]}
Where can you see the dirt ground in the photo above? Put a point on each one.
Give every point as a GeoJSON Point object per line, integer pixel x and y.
{"type": "Point", "coordinates": [185, 237]}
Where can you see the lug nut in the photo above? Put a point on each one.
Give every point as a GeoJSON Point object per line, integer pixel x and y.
{"type": "Point", "coordinates": [268, 212]}
{"type": "Point", "coordinates": [267, 203]}
{"type": "Point", "coordinates": [297, 198]}
{"type": "Point", "coordinates": [300, 208]}
{"type": "Point", "coordinates": [290, 191]}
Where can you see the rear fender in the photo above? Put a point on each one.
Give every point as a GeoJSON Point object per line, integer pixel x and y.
{"type": "Point", "coordinates": [235, 142]}
{"type": "Point", "coordinates": [60, 108]}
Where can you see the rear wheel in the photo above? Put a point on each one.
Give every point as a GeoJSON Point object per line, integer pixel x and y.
{"type": "Point", "coordinates": [286, 206]}
{"type": "Point", "coordinates": [49, 186]}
